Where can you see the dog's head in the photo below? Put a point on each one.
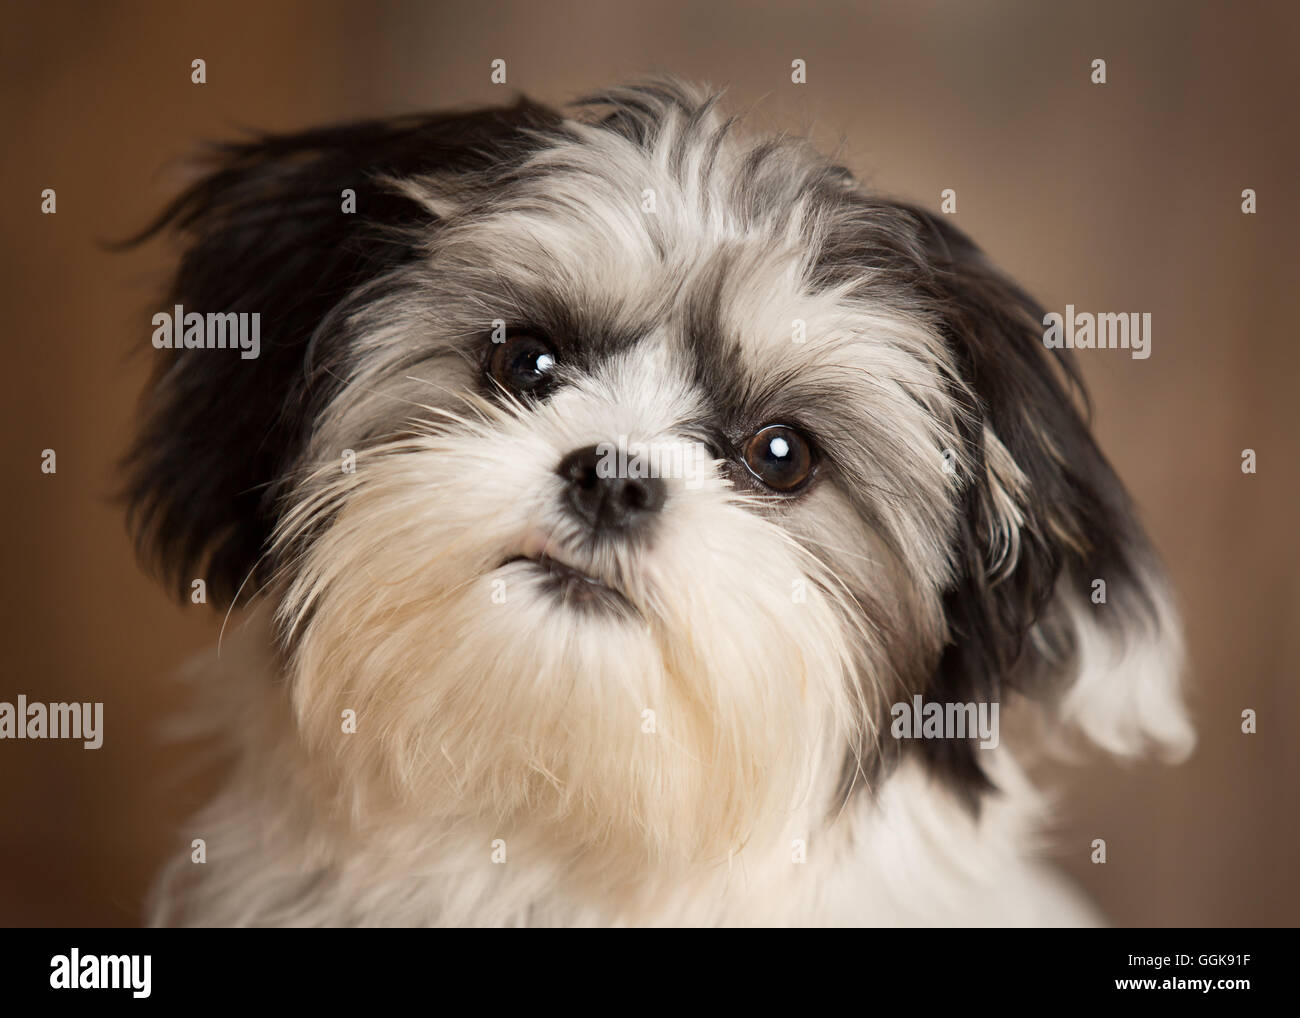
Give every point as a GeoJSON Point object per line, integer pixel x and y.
{"type": "Point", "coordinates": [620, 473]}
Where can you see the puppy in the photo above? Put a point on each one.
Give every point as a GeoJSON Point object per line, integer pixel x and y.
{"type": "Point", "coordinates": [636, 519]}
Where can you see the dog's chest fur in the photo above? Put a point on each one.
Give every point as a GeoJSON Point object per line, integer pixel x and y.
{"type": "Point", "coordinates": [285, 847]}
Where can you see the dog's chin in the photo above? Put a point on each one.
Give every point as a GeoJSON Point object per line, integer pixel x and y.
{"type": "Point", "coordinates": [568, 586]}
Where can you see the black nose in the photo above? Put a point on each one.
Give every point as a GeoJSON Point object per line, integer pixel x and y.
{"type": "Point", "coordinates": [601, 498]}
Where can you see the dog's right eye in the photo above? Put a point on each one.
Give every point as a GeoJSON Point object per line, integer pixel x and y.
{"type": "Point", "coordinates": [524, 364]}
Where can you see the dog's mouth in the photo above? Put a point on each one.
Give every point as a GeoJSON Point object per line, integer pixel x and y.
{"type": "Point", "coordinates": [574, 587]}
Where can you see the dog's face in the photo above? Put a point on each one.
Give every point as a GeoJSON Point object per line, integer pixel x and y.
{"type": "Point", "coordinates": [620, 473]}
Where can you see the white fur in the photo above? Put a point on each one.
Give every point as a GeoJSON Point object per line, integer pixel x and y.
{"type": "Point", "coordinates": [911, 857]}
{"type": "Point", "coordinates": [524, 722]}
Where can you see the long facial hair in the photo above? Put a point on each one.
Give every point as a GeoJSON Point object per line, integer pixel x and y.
{"type": "Point", "coordinates": [694, 286]}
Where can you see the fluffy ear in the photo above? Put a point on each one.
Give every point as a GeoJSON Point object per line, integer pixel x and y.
{"type": "Point", "coordinates": [265, 231]}
{"type": "Point", "coordinates": [1044, 519]}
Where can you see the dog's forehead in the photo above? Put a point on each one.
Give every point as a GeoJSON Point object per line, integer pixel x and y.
{"type": "Point", "coordinates": [606, 216]}
{"type": "Point", "coordinates": [688, 239]}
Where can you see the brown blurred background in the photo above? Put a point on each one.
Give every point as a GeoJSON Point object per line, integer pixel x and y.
{"type": "Point", "coordinates": [1115, 197]}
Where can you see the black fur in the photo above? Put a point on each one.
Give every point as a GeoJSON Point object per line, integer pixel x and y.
{"type": "Point", "coordinates": [1080, 523]}
{"type": "Point", "coordinates": [264, 232]}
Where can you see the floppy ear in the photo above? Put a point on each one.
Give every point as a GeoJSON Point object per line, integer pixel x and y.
{"type": "Point", "coordinates": [265, 232]}
{"type": "Point", "coordinates": [1044, 519]}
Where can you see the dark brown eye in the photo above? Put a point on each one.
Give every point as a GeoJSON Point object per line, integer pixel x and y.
{"type": "Point", "coordinates": [780, 457]}
{"type": "Point", "coordinates": [523, 364]}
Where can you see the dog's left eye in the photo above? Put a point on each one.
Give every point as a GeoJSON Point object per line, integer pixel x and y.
{"type": "Point", "coordinates": [780, 457]}
{"type": "Point", "coordinates": [523, 364]}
